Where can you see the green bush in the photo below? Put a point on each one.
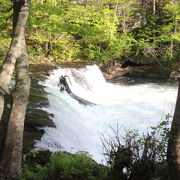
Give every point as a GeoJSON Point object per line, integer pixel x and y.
{"type": "Point", "coordinates": [96, 53]}
{"type": "Point", "coordinates": [61, 166]}
{"type": "Point", "coordinates": [34, 166]}
{"type": "Point", "coordinates": [78, 166]}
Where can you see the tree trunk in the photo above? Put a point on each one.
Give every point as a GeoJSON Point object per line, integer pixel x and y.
{"type": "Point", "coordinates": [14, 52]}
{"type": "Point", "coordinates": [174, 143]}
{"type": "Point", "coordinates": [12, 150]}
{"type": "Point", "coordinates": [14, 139]}
{"type": "Point", "coordinates": [124, 19]}
{"type": "Point", "coordinates": [175, 21]}
{"type": "Point", "coordinates": [154, 7]}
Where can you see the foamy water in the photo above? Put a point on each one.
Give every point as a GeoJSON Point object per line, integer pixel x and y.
{"type": "Point", "coordinates": [78, 127]}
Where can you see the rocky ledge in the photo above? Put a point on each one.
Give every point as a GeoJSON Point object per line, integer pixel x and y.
{"type": "Point", "coordinates": [131, 69]}
{"type": "Point", "coordinates": [36, 118]}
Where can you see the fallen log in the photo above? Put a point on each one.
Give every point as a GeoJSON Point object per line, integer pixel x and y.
{"type": "Point", "coordinates": [64, 82]}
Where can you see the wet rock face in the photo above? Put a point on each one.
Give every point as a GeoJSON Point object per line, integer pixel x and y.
{"type": "Point", "coordinates": [130, 68]}
{"type": "Point", "coordinates": [36, 118]}
{"type": "Point", "coordinates": [115, 72]}
{"type": "Point", "coordinates": [120, 68]}
{"type": "Point", "coordinates": [40, 72]}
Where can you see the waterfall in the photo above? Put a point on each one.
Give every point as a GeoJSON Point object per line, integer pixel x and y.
{"type": "Point", "coordinates": [138, 106]}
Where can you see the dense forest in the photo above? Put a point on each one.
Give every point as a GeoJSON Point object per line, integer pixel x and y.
{"type": "Point", "coordinates": [144, 31]}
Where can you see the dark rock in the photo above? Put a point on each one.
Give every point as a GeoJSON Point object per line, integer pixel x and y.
{"type": "Point", "coordinates": [138, 70]}
{"type": "Point", "coordinates": [152, 73]}
{"type": "Point", "coordinates": [76, 65]}
{"type": "Point", "coordinates": [40, 71]}
{"type": "Point", "coordinates": [129, 63]}
{"type": "Point", "coordinates": [29, 140]}
{"type": "Point", "coordinates": [37, 96]}
{"type": "Point", "coordinates": [36, 68]}
{"type": "Point", "coordinates": [36, 100]}
{"type": "Point", "coordinates": [144, 60]}
{"type": "Point", "coordinates": [36, 118]}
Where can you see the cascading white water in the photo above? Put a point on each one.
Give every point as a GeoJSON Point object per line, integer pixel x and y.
{"type": "Point", "coordinates": [78, 127]}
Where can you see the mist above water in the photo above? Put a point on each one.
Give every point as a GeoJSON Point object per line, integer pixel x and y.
{"type": "Point", "coordinates": [138, 106]}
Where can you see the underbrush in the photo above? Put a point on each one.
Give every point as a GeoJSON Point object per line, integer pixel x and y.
{"type": "Point", "coordinates": [133, 157]}
{"type": "Point", "coordinates": [62, 166]}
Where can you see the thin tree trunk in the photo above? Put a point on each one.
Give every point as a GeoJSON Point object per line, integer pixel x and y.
{"type": "Point", "coordinates": [14, 52]}
{"type": "Point", "coordinates": [174, 143]}
{"type": "Point", "coordinates": [114, 19]}
{"type": "Point", "coordinates": [154, 7]}
{"type": "Point", "coordinates": [124, 19]}
{"type": "Point", "coordinates": [154, 12]}
{"type": "Point", "coordinates": [171, 48]}
{"type": "Point", "coordinates": [174, 32]}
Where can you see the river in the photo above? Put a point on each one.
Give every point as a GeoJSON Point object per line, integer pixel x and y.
{"type": "Point", "coordinates": [129, 103]}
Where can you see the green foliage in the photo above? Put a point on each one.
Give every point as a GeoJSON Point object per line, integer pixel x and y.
{"type": "Point", "coordinates": [62, 166]}
{"type": "Point", "coordinates": [5, 27]}
{"type": "Point", "coordinates": [94, 52]}
{"type": "Point", "coordinates": [34, 165]}
{"type": "Point", "coordinates": [101, 30]}
{"type": "Point", "coordinates": [78, 166]}
{"type": "Point", "coordinates": [74, 30]}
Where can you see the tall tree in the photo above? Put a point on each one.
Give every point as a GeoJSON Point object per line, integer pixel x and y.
{"type": "Point", "coordinates": [16, 59]}
{"type": "Point", "coordinates": [174, 143]}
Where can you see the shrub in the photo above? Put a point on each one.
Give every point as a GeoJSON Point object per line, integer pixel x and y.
{"type": "Point", "coordinates": [78, 166]}
{"type": "Point", "coordinates": [61, 166]}
{"type": "Point", "coordinates": [138, 157]}
{"type": "Point", "coordinates": [35, 165]}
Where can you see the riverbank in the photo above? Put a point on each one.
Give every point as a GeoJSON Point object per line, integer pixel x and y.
{"type": "Point", "coordinates": [112, 70]}
{"type": "Point", "coordinates": [151, 72]}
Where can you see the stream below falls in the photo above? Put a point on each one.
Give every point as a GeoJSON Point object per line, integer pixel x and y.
{"type": "Point", "coordinates": [130, 103]}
